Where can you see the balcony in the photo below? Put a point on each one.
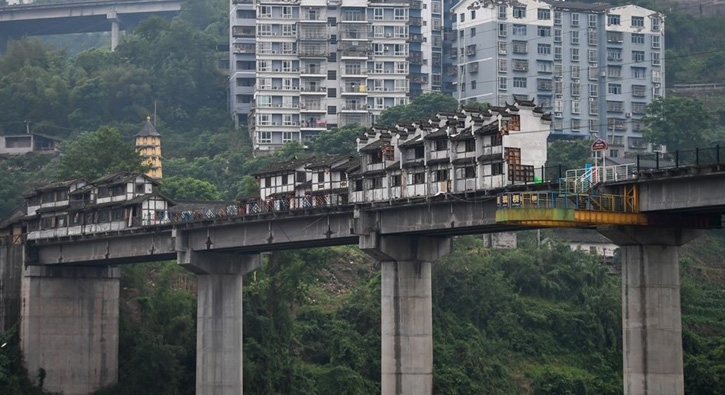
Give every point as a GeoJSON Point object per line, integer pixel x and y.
{"type": "Point", "coordinates": [416, 21]}
{"type": "Point", "coordinates": [312, 51]}
{"type": "Point", "coordinates": [313, 123]}
{"type": "Point", "coordinates": [471, 50]}
{"type": "Point", "coordinates": [417, 60]}
{"type": "Point", "coordinates": [312, 90]}
{"type": "Point", "coordinates": [354, 90]}
{"type": "Point", "coordinates": [353, 72]}
{"type": "Point", "coordinates": [312, 107]}
{"type": "Point", "coordinates": [415, 38]}
{"type": "Point", "coordinates": [354, 53]}
{"type": "Point", "coordinates": [243, 31]}
{"type": "Point", "coordinates": [348, 108]}
{"type": "Point", "coordinates": [472, 67]}
{"type": "Point", "coordinates": [313, 72]}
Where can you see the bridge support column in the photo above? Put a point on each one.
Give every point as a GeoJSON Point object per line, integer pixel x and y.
{"type": "Point", "coordinates": [219, 319]}
{"type": "Point", "coordinates": [69, 326]}
{"type": "Point", "coordinates": [113, 17]}
{"type": "Point", "coordinates": [651, 316]}
{"type": "Point", "coordinates": [406, 310]}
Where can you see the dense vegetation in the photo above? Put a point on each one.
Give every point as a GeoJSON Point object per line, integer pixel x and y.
{"type": "Point", "coordinates": [537, 320]}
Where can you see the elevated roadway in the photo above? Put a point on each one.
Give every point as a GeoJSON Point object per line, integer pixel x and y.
{"type": "Point", "coordinates": [80, 17]}
{"type": "Point", "coordinates": [664, 208]}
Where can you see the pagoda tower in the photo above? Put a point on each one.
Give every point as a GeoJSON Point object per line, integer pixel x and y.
{"type": "Point", "coordinates": [148, 141]}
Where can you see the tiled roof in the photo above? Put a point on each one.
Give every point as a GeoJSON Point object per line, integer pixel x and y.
{"type": "Point", "coordinates": [148, 130]}
{"type": "Point", "coordinates": [285, 167]}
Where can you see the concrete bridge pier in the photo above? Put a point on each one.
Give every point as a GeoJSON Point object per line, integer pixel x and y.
{"type": "Point", "coordinates": [651, 313]}
{"type": "Point", "coordinates": [219, 319]}
{"type": "Point", "coordinates": [115, 25]}
{"type": "Point", "coordinates": [406, 310]}
{"type": "Point", "coordinates": [69, 326]}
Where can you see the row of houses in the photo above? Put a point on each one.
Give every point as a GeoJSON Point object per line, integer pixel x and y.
{"type": "Point", "coordinates": [471, 150]}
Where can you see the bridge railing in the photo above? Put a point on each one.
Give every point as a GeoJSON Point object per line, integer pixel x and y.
{"type": "Point", "coordinates": [556, 200]}
{"type": "Point", "coordinates": [681, 158]}
{"type": "Point", "coordinates": [252, 207]}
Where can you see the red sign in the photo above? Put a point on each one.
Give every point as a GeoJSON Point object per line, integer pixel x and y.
{"type": "Point", "coordinates": [599, 145]}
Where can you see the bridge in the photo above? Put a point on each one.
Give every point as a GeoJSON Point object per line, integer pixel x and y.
{"type": "Point", "coordinates": [81, 16]}
{"type": "Point", "coordinates": [649, 213]}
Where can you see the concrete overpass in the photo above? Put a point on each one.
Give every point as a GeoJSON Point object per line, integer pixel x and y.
{"type": "Point", "coordinates": [21, 20]}
{"type": "Point", "coordinates": [406, 237]}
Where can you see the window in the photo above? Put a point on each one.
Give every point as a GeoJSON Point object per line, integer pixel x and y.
{"type": "Point", "coordinates": [265, 138]}
{"type": "Point", "coordinates": [574, 19]}
{"type": "Point", "coordinates": [473, 84]}
{"type": "Point", "coordinates": [502, 30]}
{"type": "Point", "coordinates": [543, 66]}
{"type": "Point", "coordinates": [502, 48]}
{"type": "Point", "coordinates": [639, 91]}
{"type": "Point", "coordinates": [615, 106]}
{"type": "Point", "coordinates": [575, 89]}
{"type": "Point", "coordinates": [655, 24]}
{"type": "Point", "coordinates": [544, 31]}
{"type": "Point", "coordinates": [575, 107]}
{"type": "Point", "coordinates": [592, 20]}
{"type": "Point", "coordinates": [401, 14]}
{"type": "Point", "coordinates": [593, 107]}
{"type": "Point", "coordinates": [502, 12]}
{"type": "Point", "coordinates": [470, 145]}
{"type": "Point", "coordinates": [519, 30]}
{"type": "Point", "coordinates": [543, 49]}
{"type": "Point", "coordinates": [543, 14]}
{"type": "Point", "coordinates": [614, 89]}
{"type": "Point", "coordinates": [332, 75]}
{"type": "Point", "coordinates": [593, 90]}
{"type": "Point", "coordinates": [638, 56]}
{"type": "Point", "coordinates": [519, 12]}
{"type": "Point", "coordinates": [639, 108]}
{"type": "Point", "coordinates": [473, 32]}
{"type": "Point", "coordinates": [519, 47]}
{"type": "Point", "coordinates": [639, 73]}
{"type": "Point", "coordinates": [655, 58]}
{"type": "Point", "coordinates": [502, 83]}
{"type": "Point", "coordinates": [615, 37]}
{"type": "Point", "coordinates": [576, 125]}
{"type": "Point", "coordinates": [439, 175]}
{"type": "Point", "coordinates": [575, 54]}
{"type": "Point", "coordinates": [574, 71]}
{"type": "Point", "coordinates": [331, 110]}
{"type": "Point", "coordinates": [557, 53]}
{"type": "Point", "coordinates": [557, 17]}
{"type": "Point", "coordinates": [331, 92]}
{"type": "Point", "coordinates": [520, 65]}
{"type": "Point", "coordinates": [544, 84]}
{"type": "Point", "coordinates": [496, 169]}
{"type": "Point", "coordinates": [557, 35]}
{"type": "Point", "coordinates": [502, 65]}
{"type": "Point", "coordinates": [614, 71]}
{"type": "Point", "coordinates": [656, 76]}
{"type": "Point", "coordinates": [574, 37]}
{"type": "Point", "coordinates": [461, 17]}
{"type": "Point", "coordinates": [418, 178]}
{"type": "Point", "coordinates": [592, 56]}
{"type": "Point", "coordinates": [638, 21]}
{"type": "Point", "coordinates": [613, 19]}
{"type": "Point", "coordinates": [637, 38]}
{"type": "Point", "coordinates": [378, 14]}
{"type": "Point", "coordinates": [614, 54]}
{"type": "Point", "coordinates": [519, 82]}
{"type": "Point", "coordinates": [655, 42]}
{"type": "Point", "coordinates": [473, 14]}
{"type": "Point", "coordinates": [592, 37]}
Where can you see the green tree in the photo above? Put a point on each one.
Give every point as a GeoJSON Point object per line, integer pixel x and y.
{"type": "Point", "coordinates": [338, 141]}
{"type": "Point", "coordinates": [570, 154]}
{"type": "Point", "coordinates": [421, 108]}
{"type": "Point", "coordinates": [94, 154]}
{"type": "Point", "coordinates": [678, 123]}
{"type": "Point", "coordinates": [188, 188]}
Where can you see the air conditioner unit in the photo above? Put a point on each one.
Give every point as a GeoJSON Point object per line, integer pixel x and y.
{"type": "Point", "coordinates": [628, 114]}
{"type": "Point", "coordinates": [388, 35]}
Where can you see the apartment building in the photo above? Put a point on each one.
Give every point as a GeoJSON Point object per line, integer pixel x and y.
{"type": "Point", "coordinates": [594, 66]}
{"type": "Point", "coordinates": [300, 67]}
